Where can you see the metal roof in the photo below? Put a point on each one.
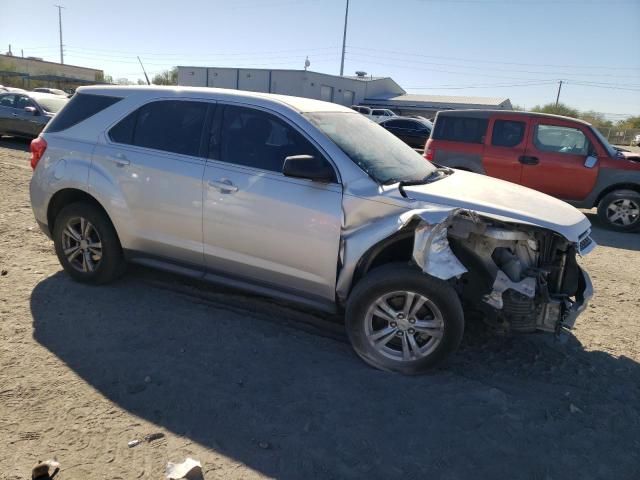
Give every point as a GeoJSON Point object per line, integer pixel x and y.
{"type": "Point", "coordinates": [441, 100]}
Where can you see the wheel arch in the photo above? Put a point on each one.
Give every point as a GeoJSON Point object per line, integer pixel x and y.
{"type": "Point", "coordinates": [395, 248]}
{"type": "Point", "coordinates": [67, 196]}
{"type": "Point", "coordinates": [617, 186]}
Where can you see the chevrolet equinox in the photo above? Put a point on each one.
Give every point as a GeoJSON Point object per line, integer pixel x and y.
{"type": "Point", "coordinates": [306, 201]}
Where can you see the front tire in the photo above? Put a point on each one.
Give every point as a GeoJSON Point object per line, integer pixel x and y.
{"type": "Point", "coordinates": [620, 210]}
{"type": "Point", "coordinates": [401, 320]}
{"type": "Point", "coordinates": [87, 245]}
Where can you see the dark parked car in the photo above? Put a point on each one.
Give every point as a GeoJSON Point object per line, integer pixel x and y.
{"type": "Point", "coordinates": [412, 131]}
{"type": "Point", "coordinates": [26, 114]}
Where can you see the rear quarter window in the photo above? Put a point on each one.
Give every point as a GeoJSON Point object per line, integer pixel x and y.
{"type": "Point", "coordinates": [79, 108]}
{"type": "Point", "coordinates": [460, 129]}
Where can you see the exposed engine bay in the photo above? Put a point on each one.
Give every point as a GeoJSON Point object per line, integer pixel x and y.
{"type": "Point", "coordinates": [523, 278]}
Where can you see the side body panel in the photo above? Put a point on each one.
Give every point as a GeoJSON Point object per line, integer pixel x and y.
{"type": "Point", "coordinates": [563, 175]}
{"type": "Point", "coordinates": [502, 161]}
{"type": "Point", "coordinates": [278, 231]}
{"type": "Point", "coordinates": [154, 199]}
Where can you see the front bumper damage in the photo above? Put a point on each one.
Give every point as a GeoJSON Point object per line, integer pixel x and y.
{"type": "Point", "coordinates": [523, 278]}
{"type": "Point", "coordinates": [583, 297]}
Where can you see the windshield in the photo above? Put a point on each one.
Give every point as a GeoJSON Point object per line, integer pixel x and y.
{"type": "Point", "coordinates": [605, 143]}
{"type": "Point", "coordinates": [51, 103]}
{"type": "Point", "coordinates": [383, 156]}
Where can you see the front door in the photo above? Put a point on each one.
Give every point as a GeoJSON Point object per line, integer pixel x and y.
{"type": "Point", "coordinates": [555, 159]}
{"type": "Point", "coordinates": [152, 158]}
{"type": "Point", "coordinates": [260, 226]}
{"type": "Point", "coordinates": [505, 148]}
{"type": "Point", "coordinates": [25, 122]}
{"type": "Point", "coordinates": [7, 112]}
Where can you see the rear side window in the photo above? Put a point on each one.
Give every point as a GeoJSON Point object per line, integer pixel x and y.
{"type": "Point", "coordinates": [507, 133]}
{"type": "Point", "coordinates": [460, 129]}
{"type": "Point", "coordinates": [169, 125]}
{"type": "Point", "coordinates": [78, 109]}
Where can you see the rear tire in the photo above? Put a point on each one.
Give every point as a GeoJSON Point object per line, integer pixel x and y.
{"type": "Point", "coordinates": [620, 210]}
{"type": "Point", "coordinates": [87, 245]}
{"type": "Point", "coordinates": [401, 320]}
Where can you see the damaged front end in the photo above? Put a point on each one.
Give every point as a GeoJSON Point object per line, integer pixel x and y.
{"type": "Point", "coordinates": [522, 277]}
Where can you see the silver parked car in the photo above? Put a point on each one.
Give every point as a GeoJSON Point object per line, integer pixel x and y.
{"type": "Point", "coordinates": [306, 201]}
{"type": "Point", "coordinates": [24, 114]}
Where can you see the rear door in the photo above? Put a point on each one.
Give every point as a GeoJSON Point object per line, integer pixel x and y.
{"type": "Point", "coordinates": [260, 226]}
{"type": "Point", "coordinates": [554, 160]}
{"type": "Point", "coordinates": [504, 147]}
{"type": "Point", "coordinates": [153, 160]}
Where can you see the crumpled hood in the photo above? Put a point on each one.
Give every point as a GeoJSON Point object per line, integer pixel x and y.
{"type": "Point", "coordinates": [504, 201]}
{"type": "Point", "coordinates": [631, 156]}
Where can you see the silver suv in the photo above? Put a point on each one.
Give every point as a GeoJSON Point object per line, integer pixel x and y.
{"type": "Point", "coordinates": [306, 201]}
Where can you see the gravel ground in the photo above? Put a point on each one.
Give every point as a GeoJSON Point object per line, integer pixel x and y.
{"type": "Point", "coordinates": [256, 389]}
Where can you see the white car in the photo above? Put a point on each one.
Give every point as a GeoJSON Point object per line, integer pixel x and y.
{"type": "Point", "coordinates": [636, 140]}
{"type": "Point", "coordinates": [375, 114]}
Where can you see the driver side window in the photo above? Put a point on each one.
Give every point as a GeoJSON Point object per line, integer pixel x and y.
{"type": "Point", "coordinates": [257, 139]}
{"type": "Point", "coordinates": [554, 138]}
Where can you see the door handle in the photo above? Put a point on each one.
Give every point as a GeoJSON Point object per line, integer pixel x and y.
{"type": "Point", "coordinates": [224, 185]}
{"type": "Point", "coordinates": [527, 160]}
{"type": "Point", "coordinates": [120, 159]}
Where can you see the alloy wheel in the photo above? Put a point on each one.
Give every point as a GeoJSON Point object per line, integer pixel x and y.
{"type": "Point", "coordinates": [82, 245]}
{"type": "Point", "coordinates": [404, 326]}
{"type": "Point", "coordinates": [623, 212]}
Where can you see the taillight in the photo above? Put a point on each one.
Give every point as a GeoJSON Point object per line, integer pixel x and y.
{"type": "Point", "coordinates": [428, 154]}
{"type": "Point", "coordinates": [38, 146]}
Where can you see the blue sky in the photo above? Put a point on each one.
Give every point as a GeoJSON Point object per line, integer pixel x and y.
{"type": "Point", "coordinates": [497, 48]}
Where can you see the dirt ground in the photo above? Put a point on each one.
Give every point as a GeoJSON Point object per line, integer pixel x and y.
{"type": "Point", "coordinates": [255, 389]}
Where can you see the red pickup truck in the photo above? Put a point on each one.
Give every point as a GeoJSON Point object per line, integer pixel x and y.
{"type": "Point", "coordinates": [563, 157]}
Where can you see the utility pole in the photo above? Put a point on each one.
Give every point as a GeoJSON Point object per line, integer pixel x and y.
{"type": "Point", "coordinates": [344, 39]}
{"type": "Point", "coordinates": [60, 7]}
{"type": "Point", "coordinates": [144, 71]}
{"type": "Point", "coordinates": [558, 96]}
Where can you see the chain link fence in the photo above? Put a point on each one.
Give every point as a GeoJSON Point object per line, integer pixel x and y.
{"type": "Point", "coordinates": [619, 136]}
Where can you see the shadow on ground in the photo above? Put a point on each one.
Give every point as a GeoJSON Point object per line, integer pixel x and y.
{"type": "Point", "coordinates": [608, 238]}
{"type": "Point", "coordinates": [15, 143]}
{"type": "Point", "coordinates": [230, 371]}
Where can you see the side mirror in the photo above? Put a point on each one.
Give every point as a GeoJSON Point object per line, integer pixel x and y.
{"type": "Point", "coordinates": [309, 167]}
{"type": "Point", "coordinates": [590, 161]}
{"type": "Point", "coordinates": [31, 110]}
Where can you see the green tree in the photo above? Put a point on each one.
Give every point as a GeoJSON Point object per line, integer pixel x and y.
{"type": "Point", "coordinates": [168, 77]}
{"type": "Point", "coordinates": [631, 122]}
{"type": "Point", "coordinates": [596, 119]}
{"type": "Point", "coordinates": [560, 109]}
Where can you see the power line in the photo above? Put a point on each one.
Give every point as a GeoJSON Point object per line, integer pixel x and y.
{"type": "Point", "coordinates": [475, 60]}
{"type": "Point", "coordinates": [129, 53]}
{"type": "Point", "coordinates": [474, 67]}
{"type": "Point", "coordinates": [495, 85]}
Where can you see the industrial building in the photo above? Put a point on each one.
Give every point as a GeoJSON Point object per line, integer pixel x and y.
{"type": "Point", "coordinates": [34, 72]}
{"type": "Point", "coordinates": [360, 89]}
